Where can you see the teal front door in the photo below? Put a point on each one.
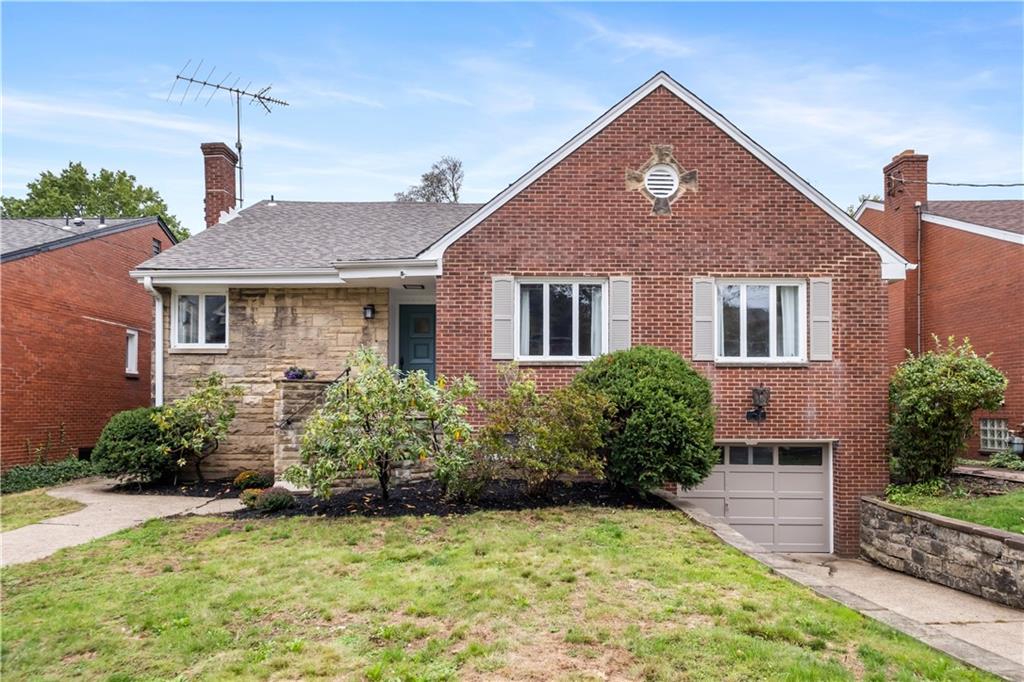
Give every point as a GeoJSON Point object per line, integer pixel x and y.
{"type": "Point", "coordinates": [416, 340]}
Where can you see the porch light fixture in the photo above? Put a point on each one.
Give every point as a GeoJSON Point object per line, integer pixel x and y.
{"type": "Point", "coordinates": [412, 286]}
{"type": "Point", "coordinates": [369, 311]}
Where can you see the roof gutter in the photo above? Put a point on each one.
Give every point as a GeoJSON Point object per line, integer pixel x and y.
{"type": "Point", "coordinates": [158, 341]}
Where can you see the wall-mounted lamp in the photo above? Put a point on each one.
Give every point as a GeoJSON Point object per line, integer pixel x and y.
{"type": "Point", "coordinates": [369, 311]}
{"type": "Point", "coordinates": [760, 397]}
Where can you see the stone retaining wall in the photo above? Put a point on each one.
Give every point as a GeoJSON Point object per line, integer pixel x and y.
{"type": "Point", "coordinates": [965, 556]}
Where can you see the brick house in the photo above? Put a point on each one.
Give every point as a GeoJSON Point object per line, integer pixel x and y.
{"type": "Point", "coordinates": [968, 281]}
{"type": "Point", "coordinates": [660, 223]}
{"type": "Point", "coordinates": [71, 327]}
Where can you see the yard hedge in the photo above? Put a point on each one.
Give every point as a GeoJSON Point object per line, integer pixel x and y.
{"type": "Point", "coordinates": [664, 423]}
{"type": "Point", "coordinates": [131, 448]}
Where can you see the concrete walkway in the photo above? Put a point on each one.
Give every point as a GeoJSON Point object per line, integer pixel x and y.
{"type": "Point", "coordinates": [974, 630]}
{"type": "Point", "coordinates": [105, 512]}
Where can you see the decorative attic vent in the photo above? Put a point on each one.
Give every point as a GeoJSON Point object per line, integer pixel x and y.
{"type": "Point", "coordinates": [661, 181]}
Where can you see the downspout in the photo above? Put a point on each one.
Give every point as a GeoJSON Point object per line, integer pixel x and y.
{"type": "Point", "coordinates": [917, 207]}
{"type": "Point", "coordinates": [158, 341]}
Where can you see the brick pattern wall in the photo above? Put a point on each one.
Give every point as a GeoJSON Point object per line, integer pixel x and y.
{"type": "Point", "coordinates": [578, 220]}
{"type": "Point", "coordinates": [64, 317]}
{"type": "Point", "coordinates": [270, 330]}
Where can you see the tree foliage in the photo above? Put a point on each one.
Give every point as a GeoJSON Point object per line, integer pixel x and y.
{"type": "Point", "coordinates": [440, 185]}
{"type": "Point", "coordinates": [193, 427]}
{"type": "Point", "coordinates": [664, 424]}
{"type": "Point", "coordinates": [851, 209]}
{"type": "Point", "coordinates": [544, 436]}
{"type": "Point", "coordinates": [932, 398]}
{"type": "Point", "coordinates": [381, 416]}
{"type": "Point", "coordinates": [75, 191]}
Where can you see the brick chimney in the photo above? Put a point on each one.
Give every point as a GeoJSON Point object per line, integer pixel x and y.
{"type": "Point", "coordinates": [219, 162]}
{"type": "Point", "coordinates": [904, 181]}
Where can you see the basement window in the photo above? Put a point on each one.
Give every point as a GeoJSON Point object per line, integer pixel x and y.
{"type": "Point", "coordinates": [199, 320]}
{"type": "Point", "coordinates": [994, 435]}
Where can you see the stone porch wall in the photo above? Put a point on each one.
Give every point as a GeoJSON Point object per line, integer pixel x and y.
{"type": "Point", "coordinates": [965, 556]}
{"type": "Point", "coordinates": [270, 330]}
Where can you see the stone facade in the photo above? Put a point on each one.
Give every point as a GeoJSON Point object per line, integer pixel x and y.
{"type": "Point", "coordinates": [965, 556]}
{"type": "Point", "coordinates": [268, 331]}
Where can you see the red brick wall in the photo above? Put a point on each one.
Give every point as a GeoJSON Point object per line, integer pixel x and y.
{"type": "Point", "coordinates": [62, 330]}
{"type": "Point", "coordinates": [971, 286]}
{"type": "Point", "coordinates": [897, 337]}
{"type": "Point", "coordinates": [744, 220]}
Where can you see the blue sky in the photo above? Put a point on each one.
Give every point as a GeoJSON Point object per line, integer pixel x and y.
{"type": "Point", "coordinates": [380, 91]}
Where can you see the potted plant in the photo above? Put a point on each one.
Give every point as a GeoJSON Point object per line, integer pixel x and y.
{"type": "Point", "coordinates": [299, 373]}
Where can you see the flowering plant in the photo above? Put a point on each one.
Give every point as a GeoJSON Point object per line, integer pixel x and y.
{"type": "Point", "coordinates": [296, 373]}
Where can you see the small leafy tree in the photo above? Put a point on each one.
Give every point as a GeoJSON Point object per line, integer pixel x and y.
{"type": "Point", "coordinates": [193, 427]}
{"type": "Point", "coordinates": [544, 436]}
{"type": "Point", "coordinates": [378, 417]}
{"type": "Point", "coordinates": [932, 398]}
{"type": "Point", "coordinates": [664, 424]}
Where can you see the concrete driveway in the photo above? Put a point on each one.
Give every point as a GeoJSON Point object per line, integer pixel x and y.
{"type": "Point", "coordinates": [990, 626]}
{"type": "Point", "coordinates": [105, 512]}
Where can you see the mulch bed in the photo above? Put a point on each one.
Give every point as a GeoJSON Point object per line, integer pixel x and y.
{"type": "Point", "coordinates": [424, 497]}
{"type": "Point", "coordinates": [212, 488]}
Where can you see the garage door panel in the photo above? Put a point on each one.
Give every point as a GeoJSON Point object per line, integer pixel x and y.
{"type": "Point", "coordinates": [738, 481]}
{"type": "Point", "coordinates": [761, 533]}
{"type": "Point", "coordinates": [782, 506]}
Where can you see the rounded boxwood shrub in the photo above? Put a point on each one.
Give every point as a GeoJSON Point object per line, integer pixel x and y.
{"type": "Point", "coordinates": [250, 478]}
{"type": "Point", "coordinates": [664, 424]}
{"type": "Point", "coordinates": [274, 499]}
{"type": "Point", "coordinates": [130, 447]}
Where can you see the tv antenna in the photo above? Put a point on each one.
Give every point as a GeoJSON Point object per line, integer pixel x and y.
{"type": "Point", "coordinates": [236, 94]}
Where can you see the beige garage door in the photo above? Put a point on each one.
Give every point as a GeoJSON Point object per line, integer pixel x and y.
{"type": "Point", "coordinates": [774, 494]}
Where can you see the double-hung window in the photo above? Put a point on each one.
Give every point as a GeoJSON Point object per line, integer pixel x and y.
{"type": "Point", "coordinates": [200, 320]}
{"type": "Point", "coordinates": [760, 321]}
{"type": "Point", "coordinates": [561, 319]}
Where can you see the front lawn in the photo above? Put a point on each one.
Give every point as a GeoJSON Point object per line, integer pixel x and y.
{"type": "Point", "coordinates": [995, 504]}
{"type": "Point", "coordinates": [22, 509]}
{"type": "Point", "coordinates": [558, 593]}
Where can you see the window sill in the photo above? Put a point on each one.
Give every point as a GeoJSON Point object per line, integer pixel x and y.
{"type": "Point", "coordinates": [199, 350]}
{"type": "Point", "coordinates": [131, 375]}
{"type": "Point", "coordinates": [746, 362]}
{"type": "Point", "coordinates": [552, 362]}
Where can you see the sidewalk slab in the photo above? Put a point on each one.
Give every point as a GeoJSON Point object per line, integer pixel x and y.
{"type": "Point", "coordinates": [105, 512]}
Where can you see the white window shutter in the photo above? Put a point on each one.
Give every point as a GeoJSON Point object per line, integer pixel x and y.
{"type": "Point", "coordinates": [703, 318]}
{"type": "Point", "coordinates": [821, 318]}
{"type": "Point", "coordinates": [620, 314]}
{"type": "Point", "coordinates": [502, 306]}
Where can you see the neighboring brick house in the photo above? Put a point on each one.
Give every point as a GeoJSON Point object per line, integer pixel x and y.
{"type": "Point", "coordinates": [75, 330]}
{"type": "Point", "coordinates": [967, 283]}
{"type": "Point", "coordinates": [661, 223]}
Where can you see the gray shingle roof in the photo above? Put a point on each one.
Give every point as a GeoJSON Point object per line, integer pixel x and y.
{"type": "Point", "coordinates": [309, 234]}
{"type": "Point", "coordinates": [1004, 214]}
{"type": "Point", "coordinates": [24, 234]}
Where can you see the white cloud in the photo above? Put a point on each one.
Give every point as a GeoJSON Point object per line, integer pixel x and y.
{"type": "Point", "coordinates": [342, 96]}
{"type": "Point", "coordinates": [427, 93]}
{"type": "Point", "coordinates": [656, 43]}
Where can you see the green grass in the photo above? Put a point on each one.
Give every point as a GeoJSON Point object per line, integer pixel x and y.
{"type": "Point", "coordinates": [22, 509]}
{"type": "Point", "coordinates": [996, 511]}
{"type": "Point", "coordinates": [563, 593]}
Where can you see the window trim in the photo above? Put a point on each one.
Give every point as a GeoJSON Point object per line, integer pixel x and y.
{"type": "Point", "coordinates": [176, 344]}
{"type": "Point", "coordinates": [575, 281]}
{"type": "Point", "coordinates": [771, 359]}
{"type": "Point", "coordinates": [131, 360]}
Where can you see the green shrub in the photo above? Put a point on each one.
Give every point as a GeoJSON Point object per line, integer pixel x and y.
{"type": "Point", "coordinates": [274, 499]}
{"type": "Point", "coordinates": [192, 427]}
{"type": "Point", "coordinates": [130, 447]}
{"type": "Point", "coordinates": [380, 416]}
{"type": "Point", "coordinates": [1005, 459]}
{"type": "Point", "coordinates": [544, 436]}
{"type": "Point", "coordinates": [44, 474]}
{"type": "Point", "coordinates": [907, 494]}
{"type": "Point", "coordinates": [664, 424]}
{"type": "Point", "coordinates": [248, 496]}
{"type": "Point", "coordinates": [251, 478]}
{"type": "Point", "coordinates": [932, 398]}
